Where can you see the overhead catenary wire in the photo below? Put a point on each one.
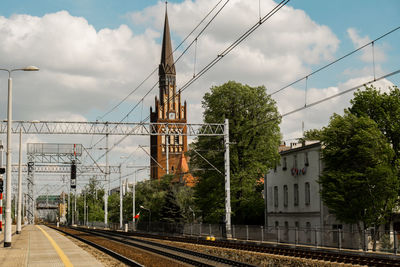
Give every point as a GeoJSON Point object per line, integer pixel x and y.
{"type": "Point", "coordinates": [151, 74]}
{"type": "Point", "coordinates": [341, 93]}
{"type": "Point", "coordinates": [233, 45]}
{"type": "Point", "coordinates": [183, 53]}
{"type": "Point", "coordinates": [219, 57]}
{"type": "Point", "coordinates": [198, 35]}
{"type": "Point", "coordinates": [329, 97]}
{"type": "Point", "coordinates": [335, 61]}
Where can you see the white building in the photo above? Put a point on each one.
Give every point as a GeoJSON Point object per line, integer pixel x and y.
{"type": "Point", "coordinates": [294, 205]}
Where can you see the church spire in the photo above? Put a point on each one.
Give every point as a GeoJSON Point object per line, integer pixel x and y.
{"type": "Point", "coordinates": [167, 60]}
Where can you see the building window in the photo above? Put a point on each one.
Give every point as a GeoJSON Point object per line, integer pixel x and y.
{"type": "Point", "coordinates": [276, 196]}
{"type": "Point", "coordinates": [295, 161]}
{"type": "Point", "coordinates": [307, 193]}
{"type": "Point", "coordinates": [296, 194]}
{"type": "Point", "coordinates": [285, 195]}
{"type": "Point", "coordinates": [176, 139]}
{"type": "Point", "coordinates": [284, 167]}
{"type": "Point", "coordinates": [276, 224]}
{"type": "Point", "coordinates": [306, 163]}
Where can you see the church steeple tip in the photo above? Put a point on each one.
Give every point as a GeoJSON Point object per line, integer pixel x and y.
{"type": "Point", "coordinates": [167, 59]}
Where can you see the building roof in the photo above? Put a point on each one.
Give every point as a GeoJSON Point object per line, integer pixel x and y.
{"type": "Point", "coordinates": [183, 174]}
{"type": "Point", "coordinates": [309, 145]}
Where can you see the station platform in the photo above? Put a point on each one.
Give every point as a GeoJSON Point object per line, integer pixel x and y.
{"type": "Point", "coordinates": [38, 245]}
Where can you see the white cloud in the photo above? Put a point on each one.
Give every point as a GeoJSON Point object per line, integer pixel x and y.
{"type": "Point", "coordinates": [369, 54]}
{"type": "Point", "coordinates": [84, 72]}
{"type": "Point", "coordinates": [318, 116]}
{"type": "Point", "coordinates": [278, 52]}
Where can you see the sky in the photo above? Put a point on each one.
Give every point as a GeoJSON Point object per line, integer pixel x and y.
{"type": "Point", "coordinates": [92, 54]}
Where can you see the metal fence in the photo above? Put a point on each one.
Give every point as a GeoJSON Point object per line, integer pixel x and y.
{"type": "Point", "coordinates": [385, 241]}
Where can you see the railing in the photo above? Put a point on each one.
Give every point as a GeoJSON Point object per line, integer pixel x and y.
{"type": "Point", "coordinates": [386, 241]}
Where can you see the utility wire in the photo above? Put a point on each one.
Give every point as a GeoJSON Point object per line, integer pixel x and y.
{"type": "Point", "coordinates": [154, 71]}
{"type": "Point", "coordinates": [341, 93]}
{"type": "Point", "coordinates": [335, 61]}
{"type": "Point", "coordinates": [329, 98]}
{"type": "Point", "coordinates": [233, 45]}
{"type": "Point", "coordinates": [183, 53]}
{"type": "Point", "coordinates": [198, 35]}
{"type": "Point", "coordinates": [218, 58]}
{"type": "Point", "coordinates": [195, 39]}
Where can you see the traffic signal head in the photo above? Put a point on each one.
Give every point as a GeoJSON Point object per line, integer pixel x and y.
{"type": "Point", "coordinates": [1, 185]}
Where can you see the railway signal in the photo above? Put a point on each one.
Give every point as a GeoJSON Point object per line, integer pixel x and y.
{"type": "Point", "coordinates": [73, 175]}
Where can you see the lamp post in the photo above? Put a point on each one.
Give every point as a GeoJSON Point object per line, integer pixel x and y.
{"type": "Point", "coordinates": [149, 214]}
{"type": "Point", "coordinates": [7, 232]}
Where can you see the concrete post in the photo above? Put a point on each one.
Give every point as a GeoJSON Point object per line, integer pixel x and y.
{"type": "Point", "coordinates": [108, 185]}
{"type": "Point", "coordinates": [134, 202]}
{"type": "Point", "coordinates": [120, 198]}
{"type": "Point", "coordinates": [227, 182]}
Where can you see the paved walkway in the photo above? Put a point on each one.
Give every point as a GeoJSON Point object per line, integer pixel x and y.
{"type": "Point", "coordinates": [38, 245]}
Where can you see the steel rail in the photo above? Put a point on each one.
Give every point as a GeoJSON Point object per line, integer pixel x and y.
{"type": "Point", "coordinates": [326, 254]}
{"type": "Point", "coordinates": [181, 250]}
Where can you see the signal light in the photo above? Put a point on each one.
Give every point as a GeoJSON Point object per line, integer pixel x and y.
{"type": "Point", "coordinates": [1, 185]}
{"type": "Point", "coordinates": [73, 175]}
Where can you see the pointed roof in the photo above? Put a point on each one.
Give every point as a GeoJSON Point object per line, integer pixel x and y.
{"type": "Point", "coordinates": [182, 174]}
{"type": "Point", "coordinates": [167, 60]}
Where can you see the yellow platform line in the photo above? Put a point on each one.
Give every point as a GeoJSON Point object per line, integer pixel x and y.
{"type": "Point", "coordinates": [60, 253]}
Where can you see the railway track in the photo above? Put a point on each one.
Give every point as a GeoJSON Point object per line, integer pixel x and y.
{"type": "Point", "coordinates": [128, 244]}
{"type": "Point", "coordinates": [342, 256]}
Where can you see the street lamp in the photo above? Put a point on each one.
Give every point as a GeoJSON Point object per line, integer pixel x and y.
{"type": "Point", "coordinates": [7, 232]}
{"type": "Point", "coordinates": [149, 214]}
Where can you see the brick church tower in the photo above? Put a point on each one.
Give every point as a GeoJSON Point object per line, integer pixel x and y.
{"type": "Point", "coordinates": [168, 109]}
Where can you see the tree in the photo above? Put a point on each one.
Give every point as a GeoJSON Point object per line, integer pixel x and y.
{"type": "Point", "coordinates": [384, 109]}
{"type": "Point", "coordinates": [359, 183]}
{"type": "Point", "coordinates": [94, 201]}
{"type": "Point", "coordinates": [254, 135]}
{"type": "Point", "coordinates": [171, 211]}
{"type": "Point", "coordinates": [311, 135]}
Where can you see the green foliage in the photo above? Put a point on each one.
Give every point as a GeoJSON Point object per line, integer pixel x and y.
{"type": "Point", "coordinates": [168, 202]}
{"type": "Point", "coordinates": [113, 207]}
{"type": "Point", "coordinates": [94, 201]}
{"type": "Point", "coordinates": [383, 108]}
{"type": "Point", "coordinates": [254, 135]}
{"type": "Point", "coordinates": [311, 135]}
{"type": "Point", "coordinates": [359, 184]}
{"type": "Point", "coordinates": [170, 211]}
